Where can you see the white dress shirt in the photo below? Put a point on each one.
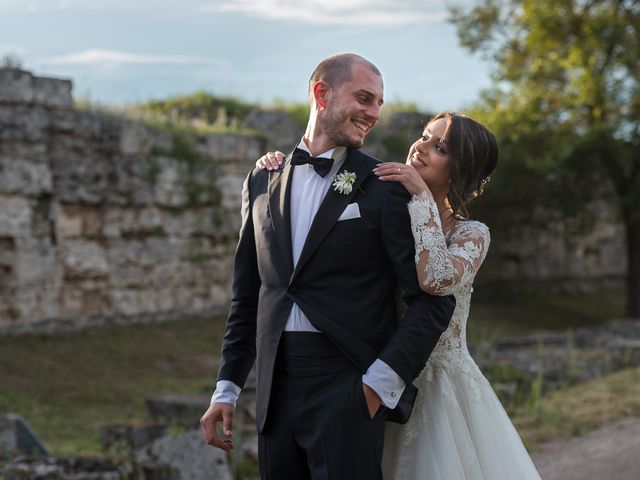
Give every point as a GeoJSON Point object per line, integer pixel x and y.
{"type": "Point", "coordinates": [308, 190]}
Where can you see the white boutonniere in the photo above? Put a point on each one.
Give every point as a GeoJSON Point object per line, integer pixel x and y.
{"type": "Point", "coordinates": [343, 182]}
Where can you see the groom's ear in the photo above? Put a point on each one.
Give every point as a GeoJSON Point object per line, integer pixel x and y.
{"type": "Point", "coordinates": [320, 93]}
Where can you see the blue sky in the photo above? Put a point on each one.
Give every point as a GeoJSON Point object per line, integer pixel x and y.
{"type": "Point", "coordinates": [120, 52]}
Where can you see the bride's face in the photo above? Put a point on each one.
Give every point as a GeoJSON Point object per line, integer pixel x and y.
{"type": "Point", "coordinates": [429, 155]}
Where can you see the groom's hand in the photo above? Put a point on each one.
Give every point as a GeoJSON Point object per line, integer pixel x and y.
{"type": "Point", "coordinates": [216, 413]}
{"type": "Point", "coordinates": [373, 400]}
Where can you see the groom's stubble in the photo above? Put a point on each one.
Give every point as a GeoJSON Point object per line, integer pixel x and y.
{"type": "Point", "coordinates": [352, 107]}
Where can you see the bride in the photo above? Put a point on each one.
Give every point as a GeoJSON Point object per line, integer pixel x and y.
{"type": "Point", "coordinates": [458, 429]}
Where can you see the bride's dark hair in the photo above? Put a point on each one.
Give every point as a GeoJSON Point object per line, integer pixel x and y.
{"type": "Point", "coordinates": [473, 154]}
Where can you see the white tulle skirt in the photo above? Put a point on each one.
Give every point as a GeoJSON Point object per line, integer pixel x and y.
{"type": "Point", "coordinates": [458, 431]}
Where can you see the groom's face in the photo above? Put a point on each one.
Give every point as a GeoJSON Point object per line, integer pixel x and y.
{"type": "Point", "coordinates": [353, 108]}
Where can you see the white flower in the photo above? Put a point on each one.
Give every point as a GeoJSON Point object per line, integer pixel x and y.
{"type": "Point", "coordinates": [343, 182]}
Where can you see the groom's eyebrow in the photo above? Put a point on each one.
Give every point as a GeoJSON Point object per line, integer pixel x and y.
{"type": "Point", "coordinates": [369, 95]}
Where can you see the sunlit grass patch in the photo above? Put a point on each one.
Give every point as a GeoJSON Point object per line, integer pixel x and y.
{"type": "Point", "coordinates": [581, 408]}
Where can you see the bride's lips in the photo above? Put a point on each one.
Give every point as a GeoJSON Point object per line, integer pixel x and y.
{"type": "Point", "coordinates": [416, 162]}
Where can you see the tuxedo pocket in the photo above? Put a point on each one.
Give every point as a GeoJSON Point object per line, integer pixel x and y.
{"type": "Point", "coordinates": [360, 399]}
{"type": "Point", "coordinates": [351, 211]}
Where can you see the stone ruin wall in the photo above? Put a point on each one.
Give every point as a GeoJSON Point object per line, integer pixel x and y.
{"type": "Point", "coordinates": [537, 249]}
{"type": "Point", "coordinates": [101, 220]}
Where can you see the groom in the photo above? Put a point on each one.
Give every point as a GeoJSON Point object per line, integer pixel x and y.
{"type": "Point", "coordinates": [323, 247]}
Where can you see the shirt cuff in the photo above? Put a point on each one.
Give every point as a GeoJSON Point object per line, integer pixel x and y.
{"type": "Point", "coordinates": [226, 392]}
{"type": "Point", "coordinates": [385, 382]}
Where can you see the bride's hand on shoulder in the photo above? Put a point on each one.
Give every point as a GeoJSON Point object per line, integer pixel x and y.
{"type": "Point", "coordinates": [270, 160]}
{"type": "Point", "coordinates": [405, 174]}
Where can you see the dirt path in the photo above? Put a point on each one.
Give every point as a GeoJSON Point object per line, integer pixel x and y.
{"type": "Point", "coordinates": [611, 453]}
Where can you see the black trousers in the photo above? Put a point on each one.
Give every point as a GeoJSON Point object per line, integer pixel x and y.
{"type": "Point", "coordinates": [318, 426]}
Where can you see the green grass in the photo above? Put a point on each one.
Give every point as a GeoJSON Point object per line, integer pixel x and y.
{"type": "Point", "coordinates": [495, 314]}
{"type": "Point", "coordinates": [580, 409]}
{"type": "Point", "coordinates": [69, 386]}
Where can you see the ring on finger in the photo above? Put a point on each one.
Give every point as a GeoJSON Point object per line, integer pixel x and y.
{"type": "Point", "coordinates": [398, 170]}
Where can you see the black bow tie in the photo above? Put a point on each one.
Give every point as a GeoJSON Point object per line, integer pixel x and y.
{"type": "Point", "coordinates": [320, 164]}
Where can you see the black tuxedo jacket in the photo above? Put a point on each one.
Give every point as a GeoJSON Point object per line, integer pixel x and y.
{"type": "Point", "coordinates": [345, 280]}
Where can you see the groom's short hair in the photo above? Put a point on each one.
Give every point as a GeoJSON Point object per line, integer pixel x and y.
{"type": "Point", "coordinates": [336, 69]}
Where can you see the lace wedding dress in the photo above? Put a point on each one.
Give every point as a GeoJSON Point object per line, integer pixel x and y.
{"type": "Point", "coordinates": [458, 429]}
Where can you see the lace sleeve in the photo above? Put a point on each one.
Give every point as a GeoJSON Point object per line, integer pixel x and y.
{"type": "Point", "coordinates": [441, 267]}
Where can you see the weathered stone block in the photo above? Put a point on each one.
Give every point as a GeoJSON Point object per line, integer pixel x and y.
{"type": "Point", "coordinates": [130, 436]}
{"type": "Point", "coordinates": [32, 303]}
{"type": "Point", "coordinates": [16, 86]}
{"type": "Point", "coordinates": [193, 221]}
{"type": "Point", "coordinates": [37, 263]}
{"type": "Point", "coordinates": [81, 175]}
{"type": "Point", "coordinates": [189, 456]}
{"type": "Point", "coordinates": [7, 268]}
{"type": "Point", "coordinates": [181, 410]}
{"type": "Point", "coordinates": [68, 222]}
{"type": "Point", "coordinates": [168, 182]}
{"type": "Point", "coordinates": [131, 182]}
{"type": "Point", "coordinates": [134, 223]}
{"type": "Point", "coordinates": [135, 139]}
{"type": "Point", "coordinates": [85, 259]}
{"type": "Point", "coordinates": [86, 125]}
{"type": "Point", "coordinates": [25, 170]}
{"type": "Point", "coordinates": [52, 92]}
{"type": "Point", "coordinates": [19, 86]}
{"type": "Point", "coordinates": [15, 216]}
{"type": "Point", "coordinates": [83, 298]}
{"type": "Point", "coordinates": [135, 301]}
{"type": "Point", "coordinates": [281, 130]}
{"type": "Point", "coordinates": [576, 250]}
{"type": "Point", "coordinates": [22, 123]}
{"type": "Point", "coordinates": [34, 152]}
{"type": "Point", "coordinates": [17, 437]}
{"type": "Point", "coordinates": [128, 276]}
{"type": "Point", "coordinates": [234, 149]}
{"type": "Point", "coordinates": [67, 469]}
{"type": "Point", "coordinates": [231, 188]}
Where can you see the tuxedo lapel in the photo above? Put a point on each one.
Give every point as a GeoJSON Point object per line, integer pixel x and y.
{"type": "Point", "coordinates": [332, 206]}
{"type": "Point", "coordinates": [279, 209]}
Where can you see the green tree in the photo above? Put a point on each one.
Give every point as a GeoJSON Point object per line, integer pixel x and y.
{"type": "Point", "coordinates": [565, 101]}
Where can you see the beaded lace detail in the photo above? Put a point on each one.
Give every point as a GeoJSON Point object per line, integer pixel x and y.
{"type": "Point", "coordinates": [448, 267]}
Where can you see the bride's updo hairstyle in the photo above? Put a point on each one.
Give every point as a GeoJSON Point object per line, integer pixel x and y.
{"type": "Point", "coordinates": [473, 154]}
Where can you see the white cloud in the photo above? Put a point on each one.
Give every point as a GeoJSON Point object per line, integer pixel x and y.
{"type": "Point", "coordinates": [41, 6]}
{"type": "Point", "coordinates": [335, 12]}
{"type": "Point", "coordinates": [315, 12]}
{"type": "Point", "coordinates": [110, 58]}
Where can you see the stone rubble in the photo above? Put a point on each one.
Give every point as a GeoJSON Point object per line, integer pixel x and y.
{"type": "Point", "coordinates": [559, 359]}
